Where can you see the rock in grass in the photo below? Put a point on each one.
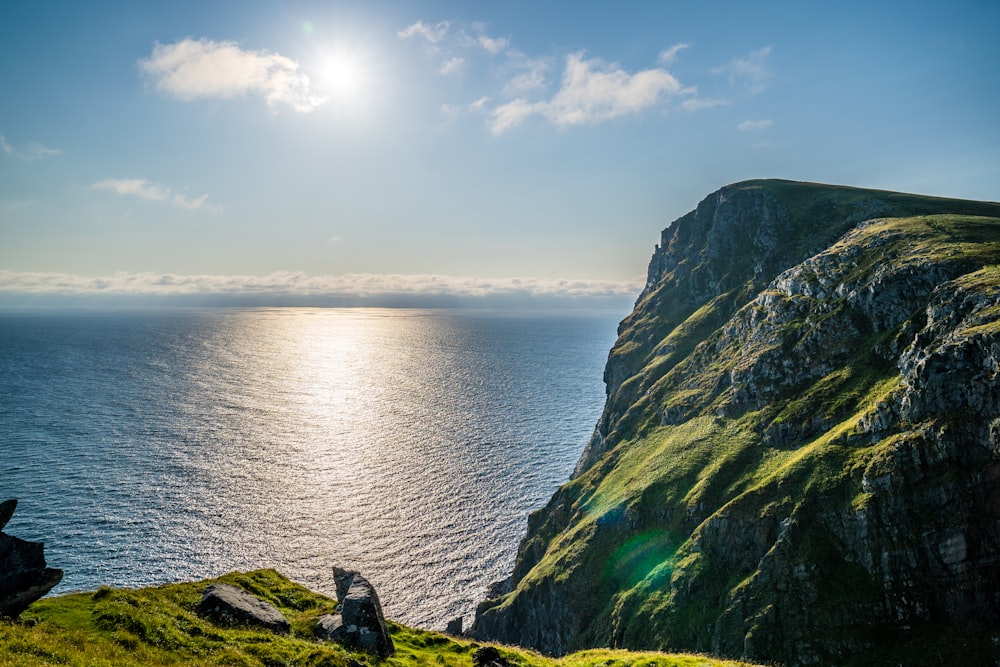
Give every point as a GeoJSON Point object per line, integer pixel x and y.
{"type": "Point", "coordinates": [330, 627]}
{"type": "Point", "coordinates": [360, 624]}
{"type": "Point", "coordinates": [24, 577]}
{"type": "Point", "coordinates": [488, 656]}
{"type": "Point", "coordinates": [228, 605]}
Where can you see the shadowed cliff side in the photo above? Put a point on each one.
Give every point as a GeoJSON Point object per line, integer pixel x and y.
{"type": "Point", "coordinates": [798, 460]}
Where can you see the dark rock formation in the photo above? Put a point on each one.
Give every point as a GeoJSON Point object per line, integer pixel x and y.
{"type": "Point", "coordinates": [343, 579]}
{"type": "Point", "coordinates": [331, 628]}
{"type": "Point", "coordinates": [228, 605]}
{"type": "Point", "coordinates": [454, 627]}
{"type": "Point", "coordinates": [24, 576]}
{"type": "Point", "coordinates": [360, 624]}
{"type": "Point", "coordinates": [799, 456]}
{"type": "Point", "coordinates": [488, 656]}
{"type": "Point", "coordinates": [7, 508]}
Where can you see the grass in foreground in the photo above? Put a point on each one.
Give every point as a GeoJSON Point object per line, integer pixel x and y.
{"type": "Point", "coordinates": [158, 626]}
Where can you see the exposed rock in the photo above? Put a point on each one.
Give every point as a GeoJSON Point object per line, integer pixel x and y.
{"type": "Point", "coordinates": [488, 656]}
{"type": "Point", "coordinates": [454, 627]}
{"type": "Point", "coordinates": [330, 627]}
{"type": "Point", "coordinates": [360, 624]}
{"type": "Point", "coordinates": [228, 605]}
{"type": "Point", "coordinates": [343, 579]}
{"type": "Point", "coordinates": [7, 508]}
{"type": "Point", "coordinates": [24, 576]}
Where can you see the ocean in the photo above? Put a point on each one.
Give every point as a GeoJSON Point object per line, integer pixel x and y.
{"type": "Point", "coordinates": [161, 445]}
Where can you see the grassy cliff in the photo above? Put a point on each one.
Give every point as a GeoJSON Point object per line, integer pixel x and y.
{"type": "Point", "coordinates": [159, 626]}
{"type": "Point", "coordinates": [798, 460]}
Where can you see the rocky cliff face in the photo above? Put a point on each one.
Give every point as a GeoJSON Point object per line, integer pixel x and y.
{"type": "Point", "coordinates": [799, 458]}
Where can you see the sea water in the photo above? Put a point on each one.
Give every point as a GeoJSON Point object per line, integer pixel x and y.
{"type": "Point", "coordinates": [162, 445]}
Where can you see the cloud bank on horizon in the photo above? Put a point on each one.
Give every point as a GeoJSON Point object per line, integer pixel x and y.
{"type": "Point", "coordinates": [282, 286]}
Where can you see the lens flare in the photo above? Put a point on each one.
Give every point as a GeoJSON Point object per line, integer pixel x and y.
{"type": "Point", "coordinates": [648, 556]}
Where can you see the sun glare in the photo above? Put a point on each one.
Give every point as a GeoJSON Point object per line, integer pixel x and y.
{"type": "Point", "coordinates": [345, 77]}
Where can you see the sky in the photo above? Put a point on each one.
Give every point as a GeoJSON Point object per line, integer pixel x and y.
{"type": "Point", "coordinates": [420, 152]}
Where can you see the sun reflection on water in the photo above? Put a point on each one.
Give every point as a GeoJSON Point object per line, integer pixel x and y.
{"type": "Point", "coordinates": [408, 444]}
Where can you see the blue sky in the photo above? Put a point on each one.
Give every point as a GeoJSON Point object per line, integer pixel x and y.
{"type": "Point", "coordinates": [353, 150]}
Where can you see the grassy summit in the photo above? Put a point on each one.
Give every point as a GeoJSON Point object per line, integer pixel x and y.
{"type": "Point", "coordinates": [158, 626]}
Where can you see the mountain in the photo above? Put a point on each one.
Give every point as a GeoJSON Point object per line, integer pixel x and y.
{"type": "Point", "coordinates": [799, 457]}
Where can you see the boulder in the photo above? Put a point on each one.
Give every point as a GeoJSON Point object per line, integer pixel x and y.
{"type": "Point", "coordinates": [24, 577]}
{"type": "Point", "coordinates": [488, 656]}
{"type": "Point", "coordinates": [330, 627]}
{"type": "Point", "coordinates": [360, 624]}
{"type": "Point", "coordinates": [228, 605]}
{"type": "Point", "coordinates": [7, 508]}
{"type": "Point", "coordinates": [454, 627]}
{"type": "Point", "coordinates": [343, 579]}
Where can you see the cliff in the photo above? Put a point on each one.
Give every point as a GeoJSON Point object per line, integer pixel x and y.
{"type": "Point", "coordinates": [799, 457]}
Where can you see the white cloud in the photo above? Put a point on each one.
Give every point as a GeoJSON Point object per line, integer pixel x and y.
{"type": "Point", "coordinates": [510, 115]}
{"type": "Point", "coordinates": [452, 65]}
{"type": "Point", "coordinates": [31, 151]}
{"type": "Point", "coordinates": [493, 45]}
{"type": "Point", "coordinates": [698, 103]}
{"type": "Point", "coordinates": [755, 125]}
{"type": "Point", "coordinates": [751, 69]}
{"type": "Point", "coordinates": [36, 151]}
{"type": "Point", "coordinates": [591, 91]}
{"type": "Point", "coordinates": [192, 69]}
{"type": "Point", "coordinates": [140, 187]}
{"type": "Point", "coordinates": [354, 286]}
{"type": "Point", "coordinates": [668, 56]}
{"type": "Point", "coordinates": [531, 76]}
{"type": "Point", "coordinates": [433, 33]}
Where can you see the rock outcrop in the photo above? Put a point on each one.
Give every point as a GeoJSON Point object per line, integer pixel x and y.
{"type": "Point", "coordinates": [24, 576]}
{"type": "Point", "coordinates": [360, 623]}
{"type": "Point", "coordinates": [229, 606]}
{"type": "Point", "coordinates": [799, 457]}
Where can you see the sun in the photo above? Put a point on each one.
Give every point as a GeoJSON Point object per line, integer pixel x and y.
{"type": "Point", "coordinates": [340, 75]}
{"type": "Point", "coordinates": [343, 76]}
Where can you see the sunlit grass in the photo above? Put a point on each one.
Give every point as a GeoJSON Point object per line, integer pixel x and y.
{"type": "Point", "coordinates": [158, 626]}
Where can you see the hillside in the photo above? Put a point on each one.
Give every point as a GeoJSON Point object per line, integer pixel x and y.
{"type": "Point", "coordinates": [159, 626]}
{"type": "Point", "coordinates": [799, 457]}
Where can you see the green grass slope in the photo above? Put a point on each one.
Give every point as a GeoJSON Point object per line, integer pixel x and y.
{"type": "Point", "coordinates": [158, 626]}
{"type": "Point", "coordinates": [798, 459]}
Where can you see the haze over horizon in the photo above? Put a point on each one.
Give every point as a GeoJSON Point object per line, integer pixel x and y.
{"type": "Point", "coordinates": [446, 153]}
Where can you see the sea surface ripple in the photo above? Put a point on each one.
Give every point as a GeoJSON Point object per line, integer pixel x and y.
{"type": "Point", "coordinates": [151, 446]}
